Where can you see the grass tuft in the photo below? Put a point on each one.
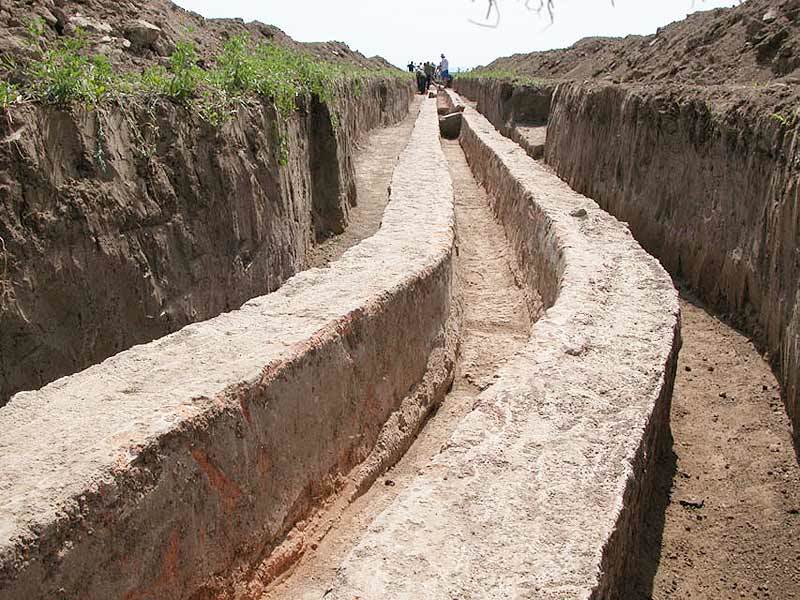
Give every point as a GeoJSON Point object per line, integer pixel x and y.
{"type": "Point", "coordinates": [67, 72]}
{"type": "Point", "coordinates": [503, 75]}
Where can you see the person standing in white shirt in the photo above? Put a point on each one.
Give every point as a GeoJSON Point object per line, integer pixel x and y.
{"type": "Point", "coordinates": [444, 69]}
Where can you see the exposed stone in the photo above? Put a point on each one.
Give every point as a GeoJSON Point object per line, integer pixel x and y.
{"type": "Point", "coordinates": [142, 34]}
{"type": "Point", "coordinates": [90, 25]}
{"type": "Point", "coordinates": [450, 126]}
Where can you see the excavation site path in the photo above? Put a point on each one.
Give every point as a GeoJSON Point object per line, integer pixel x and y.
{"type": "Point", "coordinates": [374, 165]}
{"type": "Point", "coordinates": [732, 488]}
{"type": "Point", "coordinates": [496, 322]}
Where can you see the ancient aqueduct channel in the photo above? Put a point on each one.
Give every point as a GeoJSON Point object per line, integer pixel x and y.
{"type": "Point", "coordinates": [201, 456]}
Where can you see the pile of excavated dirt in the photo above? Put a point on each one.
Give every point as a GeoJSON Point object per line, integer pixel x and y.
{"type": "Point", "coordinates": [136, 33]}
{"type": "Point", "coordinates": [753, 43]}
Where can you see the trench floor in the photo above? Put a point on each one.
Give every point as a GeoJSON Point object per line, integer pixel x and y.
{"type": "Point", "coordinates": [726, 521]}
{"type": "Point", "coordinates": [496, 322]}
{"type": "Point", "coordinates": [374, 163]}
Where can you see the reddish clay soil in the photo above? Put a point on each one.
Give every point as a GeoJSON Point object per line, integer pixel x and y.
{"type": "Point", "coordinates": [726, 525]}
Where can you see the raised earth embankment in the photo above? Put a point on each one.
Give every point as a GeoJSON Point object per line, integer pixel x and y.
{"type": "Point", "coordinates": [172, 469]}
{"type": "Point", "coordinates": [708, 185]}
{"type": "Point", "coordinates": [125, 220]}
{"type": "Point", "coordinates": [541, 489]}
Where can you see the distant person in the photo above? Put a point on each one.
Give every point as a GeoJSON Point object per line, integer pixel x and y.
{"type": "Point", "coordinates": [444, 69]}
{"type": "Point", "coordinates": [411, 67]}
{"type": "Point", "coordinates": [420, 79]}
{"type": "Point", "coordinates": [429, 70]}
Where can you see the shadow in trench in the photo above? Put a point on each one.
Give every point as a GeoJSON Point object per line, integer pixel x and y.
{"type": "Point", "coordinates": [649, 551]}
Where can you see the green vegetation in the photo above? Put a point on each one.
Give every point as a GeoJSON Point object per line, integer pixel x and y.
{"type": "Point", "coordinates": [786, 120]}
{"type": "Point", "coordinates": [8, 95]}
{"type": "Point", "coordinates": [64, 75]}
{"type": "Point", "coordinates": [502, 75]}
{"type": "Point", "coordinates": [68, 73]}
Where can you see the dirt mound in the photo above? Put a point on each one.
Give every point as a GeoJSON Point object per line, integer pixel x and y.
{"type": "Point", "coordinates": [137, 34]}
{"type": "Point", "coordinates": [755, 42]}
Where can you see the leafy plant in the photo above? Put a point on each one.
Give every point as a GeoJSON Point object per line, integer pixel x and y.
{"type": "Point", "coordinates": [8, 95]}
{"type": "Point", "coordinates": [68, 72]}
{"type": "Point", "coordinates": [184, 74]}
{"type": "Point", "coordinates": [65, 74]}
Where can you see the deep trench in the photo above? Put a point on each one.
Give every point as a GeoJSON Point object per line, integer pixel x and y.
{"type": "Point", "coordinates": [496, 321]}
{"type": "Point", "coordinates": [724, 519]}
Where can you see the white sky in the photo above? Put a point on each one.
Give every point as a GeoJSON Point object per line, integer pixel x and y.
{"type": "Point", "coordinates": [403, 30]}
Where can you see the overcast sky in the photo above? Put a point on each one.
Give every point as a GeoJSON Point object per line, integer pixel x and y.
{"type": "Point", "coordinates": [403, 30]}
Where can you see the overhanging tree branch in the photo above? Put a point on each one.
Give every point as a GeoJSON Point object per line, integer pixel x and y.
{"type": "Point", "coordinates": [492, 18]}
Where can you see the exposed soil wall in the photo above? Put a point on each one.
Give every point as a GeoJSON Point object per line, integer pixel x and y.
{"type": "Point", "coordinates": [709, 186]}
{"type": "Point", "coordinates": [507, 104]}
{"type": "Point", "coordinates": [172, 469]}
{"type": "Point", "coordinates": [127, 223]}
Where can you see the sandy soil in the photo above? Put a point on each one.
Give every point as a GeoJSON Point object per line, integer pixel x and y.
{"type": "Point", "coordinates": [374, 165]}
{"type": "Point", "coordinates": [727, 521]}
{"type": "Point", "coordinates": [496, 321]}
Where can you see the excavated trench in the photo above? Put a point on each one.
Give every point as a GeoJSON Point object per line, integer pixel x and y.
{"type": "Point", "coordinates": [727, 493]}
{"type": "Point", "coordinates": [547, 435]}
{"type": "Point", "coordinates": [374, 164]}
{"type": "Point", "coordinates": [496, 322]}
{"type": "Point", "coordinates": [723, 520]}
{"type": "Point", "coordinates": [366, 419]}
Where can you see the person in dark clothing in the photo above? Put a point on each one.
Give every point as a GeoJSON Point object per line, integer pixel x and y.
{"type": "Point", "coordinates": [420, 79]}
{"type": "Point", "coordinates": [411, 67]}
{"type": "Point", "coordinates": [429, 71]}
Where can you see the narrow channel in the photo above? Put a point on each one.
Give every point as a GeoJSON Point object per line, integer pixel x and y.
{"type": "Point", "coordinates": [497, 318]}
